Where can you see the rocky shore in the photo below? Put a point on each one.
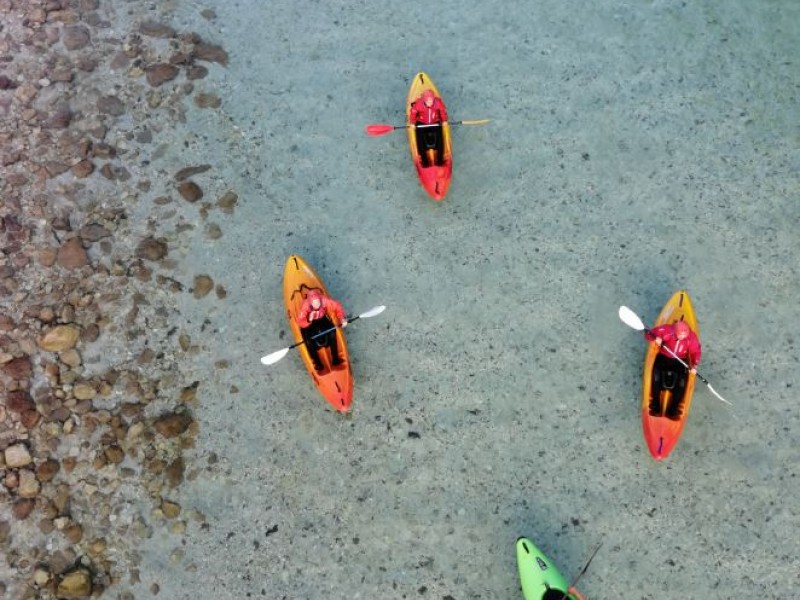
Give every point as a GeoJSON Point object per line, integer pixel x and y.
{"type": "Point", "coordinates": [96, 414]}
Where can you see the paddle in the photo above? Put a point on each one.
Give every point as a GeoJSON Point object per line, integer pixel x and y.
{"type": "Point", "coordinates": [632, 320]}
{"type": "Point", "coordinates": [272, 358]}
{"type": "Point", "coordinates": [382, 129]}
{"type": "Point", "coordinates": [582, 573]}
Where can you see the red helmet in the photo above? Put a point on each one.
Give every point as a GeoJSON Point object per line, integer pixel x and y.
{"type": "Point", "coordinates": [681, 329]}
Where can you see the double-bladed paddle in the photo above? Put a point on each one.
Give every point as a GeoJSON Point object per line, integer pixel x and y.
{"type": "Point", "coordinates": [377, 129]}
{"type": "Point", "coordinates": [273, 357]}
{"type": "Point", "coordinates": [632, 320]}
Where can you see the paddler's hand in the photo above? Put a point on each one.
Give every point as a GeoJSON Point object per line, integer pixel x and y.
{"type": "Point", "coordinates": [344, 322]}
{"type": "Point", "coordinates": [659, 341]}
{"type": "Point", "coordinates": [693, 370]}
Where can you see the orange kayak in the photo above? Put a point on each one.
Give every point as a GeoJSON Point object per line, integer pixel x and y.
{"type": "Point", "coordinates": [663, 418]}
{"type": "Point", "coordinates": [334, 383]}
{"type": "Point", "coordinates": [436, 177]}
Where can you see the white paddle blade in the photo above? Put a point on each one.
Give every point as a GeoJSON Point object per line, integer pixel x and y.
{"type": "Point", "coordinates": [713, 391]}
{"type": "Point", "coordinates": [372, 312]}
{"type": "Point", "coordinates": [271, 359]}
{"type": "Point", "coordinates": [630, 318]}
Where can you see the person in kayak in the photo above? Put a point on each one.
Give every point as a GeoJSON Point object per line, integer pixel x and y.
{"type": "Point", "coordinates": [684, 343]}
{"type": "Point", "coordinates": [314, 318]}
{"type": "Point", "coordinates": [428, 109]}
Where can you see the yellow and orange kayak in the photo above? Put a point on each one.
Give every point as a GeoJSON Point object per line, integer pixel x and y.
{"type": "Point", "coordinates": [334, 383]}
{"type": "Point", "coordinates": [661, 426]}
{"type": "Point", "coordinates": [436, 177]}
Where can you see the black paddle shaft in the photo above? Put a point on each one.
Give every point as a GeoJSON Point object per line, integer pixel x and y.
{"type": "Point", "coordinates": [326, 332]}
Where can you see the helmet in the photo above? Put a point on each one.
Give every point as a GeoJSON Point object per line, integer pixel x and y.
{"type": "Point", "coordinates": [428, 96]}
{"type": "Point", "coordinates": [681, 329]}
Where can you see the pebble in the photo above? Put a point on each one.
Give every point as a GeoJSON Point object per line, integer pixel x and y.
{"type": "Point", "coordinates": [83, 169]}
{"type": "Point", "coordinates": [210, 53]}
{"type": "Point", "coordinates": [84, 391]}
{"type": "Point", "coordinates": [227, 202]}
{"type": "Point", "coordinates": [75, 584]}
{"type": "Point", "coordinates": [71, 254]}
{"type": "Point", "coordinates": [204, 100]}
{"type": "Point", "coordinates": [196, 72]}
{"type": "Point", "coordinates": [171, 510]}
{"type": "Point", "coordinates": [75, 37]}
{"type": "Point", "coordinates": [111, 105]}
{"type": "Point", "coordinates": [159, 73]}
{"type": "Point", "coordinates": [22, 508]}
{"type": "Point", "coordinates": [17, 368]}
{"type": "Point", "coordinates": [156, 30]}
{"type": "Point", "coordinates": [60, 338]}
{"type": "Point", "coordinates": [203, 284]}
{"type": "Point", "coordinates": [187, 172]}
{"type": "Point", "coordinates": [152, 249]}
{"type": "Point", "coordinates": [213, 231]}
{"type": "Point", "coordinates": [17, 456]}
{"type": "Point", "coordinates": [190, 191]}
{"type": "Point", "coordinates": [47, 470]}
{"type": "Point", "coordinates": [28, 484]}
{"type": "Point", "coordinates": [172, 425]}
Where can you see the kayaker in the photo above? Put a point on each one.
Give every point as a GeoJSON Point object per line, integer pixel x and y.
{"type": "Point", "coordinates": [429, 109]}
{"type": "Point", "coordinates": [313, 318]}
{"type": "Point", "coordinates": [685, 344]}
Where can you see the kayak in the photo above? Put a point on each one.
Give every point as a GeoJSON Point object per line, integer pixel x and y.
{"type": "Point", "coordinates": [540, 579]}
{"type": "Point", "coordinates": [436, 177]}
{"type": "Point", "coordinates": [663, 418]}
{"type": "Point", "coordinates": [334, 383]}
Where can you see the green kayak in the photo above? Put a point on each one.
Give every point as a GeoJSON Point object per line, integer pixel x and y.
{"type": "Point", "coordinates": [539, 577]}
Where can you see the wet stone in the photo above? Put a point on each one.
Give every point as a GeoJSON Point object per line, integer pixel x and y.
{"type": "Point", "coordinates": [190, 191]}
{"type": "Point", "coordinates": [203, 100]}
{"type": "Point", "coordinates": [210, 53]}
{"type": "Point", "coordinates": [111, 105]}
{"type": "Point", "coordinates": [203, 284]}
{"type": "Point", "coordinates": [152, 249]}
{"type": "Point", "coordinates": [83, 169]}
{"type": "Point", "coordinates": [159, 73]}
{"type": "Point", "coordinates": [172, 425]}
{"type": "Point", "coordinates": [75, 37]}
{"type": "Point", "coordinates": [94, 232]}
{"type": "Point", "coordinates": [187, 172]}
{"type": "Point", "coordinates": [156, 30]}
{"type": "Point", "coordinates": [196, 72]}
{"type": "Point", "coordinates": [60, 338]}
{"type": "Point", "coordinates": [18, 368]}
{"type": "Point", "coordinates": [71, 254]}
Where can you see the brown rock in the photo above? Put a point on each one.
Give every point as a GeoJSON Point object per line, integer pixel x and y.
{"type": "Point", "coordinates": [29, 418]}
{"type": "Point", "coordinates": [156, 30]}
{"type": "Point", "coordinates": [47, 257]}
{"type": "Point", "coordinates": [160, 73]}
{"type": "Point", "coordinates": [19, 401]}
{"type": "Point", "coordinates": [60, 338]}
{"type": "Point", "coordinates": [196, 72]}
{"type": "Point", "coordinates": [203, 284]}
{"type": "Point", "coordinates": [173, 425]}
{"type": "Point", "coordinates": [227, 202]}
{"type": "Point", "coordinates": [75, 37]}
{"type": "Point", "coordinates": [203, 100]}
{"type": "Point", "coordinates": [84, 391]}
{"type": "Point", "coordinates": [210, 53]}
{"type": "Point", "coordinates": [22, 508]}
{"type": "Point", "coordinates": [71, 358]}
{"type": "Point", "coordinates": [28, 484]}
{"type": "Point", "coordinates": [60, 119]}
{"type": "Point", "coordinates": [170, 509]}
{"type": "Point", "coordinates": [222, 293]}
{"type": "Point", "coordinates": [114, 454]}
{"type": "Point", "coordinates": [83, 169]}
{"type": "Point", "coordinates": [71, 254]}
{"type": "Point", "coordinates": [19, 368]}
{"type": "Point", "coordinates": [75, 584]}
{"type": "Point", "coordinates": [213, 231]}
{"type": "Point", "coordinates": [190, 191]}
{"type": "Point", "coordinates": [189, 393]}
{"type": "Point", "coordinates": [47, 470]}
{"type": "Point", "coordinates": [94, 232]}
{"type": "Point", "coordinates": [73, 533]}
{"type": "Point", "coordinates": [174, 472]}
{"type": "Point", "coordinates": [152, 249]}
{"type": "Point", "coordinates": [17, 456]}
{"type": "Point", "coordinates": [187, 172]}
{"type": "Point", "coordinates": [91, 333]}
{"type": "Point", "coordinates": [111, 105]}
